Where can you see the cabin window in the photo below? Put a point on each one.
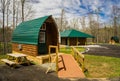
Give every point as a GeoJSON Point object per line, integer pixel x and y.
{"type": "Point", "coordinates": [42, 37]}
{"type": "Point", "coordinates": [43, 27]}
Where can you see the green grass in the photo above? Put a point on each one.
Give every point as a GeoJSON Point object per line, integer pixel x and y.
{"type": "Point", "coordinates": [117, 44]}
{"type": "Point", "coordinates": [101, 66]}
{"type": "Point", "coordinates": [98, 66]}
{"type": "Point", "coordinates": [68, 50]}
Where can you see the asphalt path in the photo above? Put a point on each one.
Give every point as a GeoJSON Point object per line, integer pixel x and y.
{"type": "Point", "coordinates": [103, 50]}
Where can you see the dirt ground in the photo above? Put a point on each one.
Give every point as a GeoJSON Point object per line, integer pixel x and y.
{"type": "Point", "coordinates": [26, 73]}
{"type": "Point", "coordinates": [37, 73]}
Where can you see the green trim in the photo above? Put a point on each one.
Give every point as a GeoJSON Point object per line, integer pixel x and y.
{"type": "Point", "coordinates": [24, 42]}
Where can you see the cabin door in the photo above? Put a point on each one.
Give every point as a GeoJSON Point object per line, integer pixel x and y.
{"type": "Point", "coordinates": [42, 47]}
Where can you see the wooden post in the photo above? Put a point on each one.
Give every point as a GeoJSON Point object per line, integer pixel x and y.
{"type": "Point", "coordinates": [77, 55]}
{"type": "Point", "coordinates": [72, 51]}
{"type": "Point", "coordinates": [77, 42]}
{"type": "Point", "coordinates": [68, 41]}
{"type": "Point", "coordinates": [56, 59]}
{"type": "Point", "coordinates": [56, 48]}
{"type": "Point", "coordinates": [83, 68]}
{"type": "Point", "coordinates": [49, 54]}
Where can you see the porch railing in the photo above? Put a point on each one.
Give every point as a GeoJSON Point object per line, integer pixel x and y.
{"type": "Point", "coordinates": [78, 57]}
{"type": "Point", "coordinates": [55, 59]}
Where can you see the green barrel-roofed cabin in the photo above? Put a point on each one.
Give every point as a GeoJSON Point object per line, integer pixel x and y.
{"type": "Point", "coordinates": [34, 37]}
{"type": "Point", "coordinates": [74, 37]}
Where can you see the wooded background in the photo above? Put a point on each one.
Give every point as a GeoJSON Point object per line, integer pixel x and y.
{"type": "Point", "coordinates": [13, 12]}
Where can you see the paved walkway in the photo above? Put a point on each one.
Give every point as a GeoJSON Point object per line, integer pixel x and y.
{"type": "Point", "coordinates": [68, 67]}
{"type": "Point", "coordinates": [105, 50]}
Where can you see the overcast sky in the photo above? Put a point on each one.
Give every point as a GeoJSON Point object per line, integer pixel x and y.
{"type": "Point", "coordinates": [74, 8]}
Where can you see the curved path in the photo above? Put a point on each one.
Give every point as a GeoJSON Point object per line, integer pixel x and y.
{"type": "Point", "coordinates": [104, 50]}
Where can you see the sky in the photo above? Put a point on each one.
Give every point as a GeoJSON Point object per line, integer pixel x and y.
{"type": "Point", "coordinates": [75, 8]}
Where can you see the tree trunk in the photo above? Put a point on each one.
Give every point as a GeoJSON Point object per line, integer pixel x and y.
{"type": "Point", "coordinates": [13, 14]}
{"type": "Point", "coordinates": [61, 24]}
{"type": "Point", "coordinates": [115, 27]}
{"type": "Point", "coordinates": [7, 16]}
{"type": "Point", "coordinates": [3, 25]}
{"type": "Point", "coordinates": [22, 3]}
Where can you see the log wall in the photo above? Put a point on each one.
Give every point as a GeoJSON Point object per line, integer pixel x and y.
{"type": "Point", "coordinates": [82, 41]}
{"type": "Point", "coordinates": [25, 48]}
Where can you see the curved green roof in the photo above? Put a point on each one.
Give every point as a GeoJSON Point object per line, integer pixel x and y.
{"type": "Point", "coordinates": [27, 32]}
{"type": "Point", "coordinates": [75, 33]}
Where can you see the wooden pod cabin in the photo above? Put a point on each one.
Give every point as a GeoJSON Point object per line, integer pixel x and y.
{"type": "Point", "coordinates": [34, 37]}
{"type": "Point", "coordinates": [74, 37]}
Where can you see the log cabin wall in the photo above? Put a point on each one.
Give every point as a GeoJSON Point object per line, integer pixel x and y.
{"type": "Point", "coordinates": [73, 41]}
{"type": "Point", "coordinates": [64, 41]}
{"type": "Point", "coordinates": [25, 48]}
{"type": "Point", "coordinates": [82, 41]}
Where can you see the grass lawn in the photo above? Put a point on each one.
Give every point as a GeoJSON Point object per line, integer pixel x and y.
{"type": "Point", "coordinates": [68, 50]}
{"type": "Point", "coordinates": [99, 66]}
{"type": "Point", "coordinates": [102, 66]}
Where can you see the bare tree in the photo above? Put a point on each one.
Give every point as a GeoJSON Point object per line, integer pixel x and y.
{"type": "Point", "coordinates": [7, 12]}
{"type": "Point", "coordinates": [7, 21]}
{"type": "Point", "coordinates": [83, 23]}
{"type": "Point", "coordinates": [115, 16]}
{"type": "Point", "coordinates": [14, 14]}
{"type": "Point", "coordinates": [62, 22]}
{"type": "Point", "coordinates": [74, 23]}
{"type": "Point", "coordinates": [97, 11]}
{"type": "Point", "coordinates": [26, 14]}
{"type": "Point", "coordinates": [3, 4]}
{"type": "Point", "coordinates": [22, 4]}
{"type": "Point", "coordinates": [61, 25]}
{"type": "Point", "coordinates": [29, 12]}
{"type": "Point", "coordinates": [17, 13]}
{"type": "Point", "coordinates": [92, 26]}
